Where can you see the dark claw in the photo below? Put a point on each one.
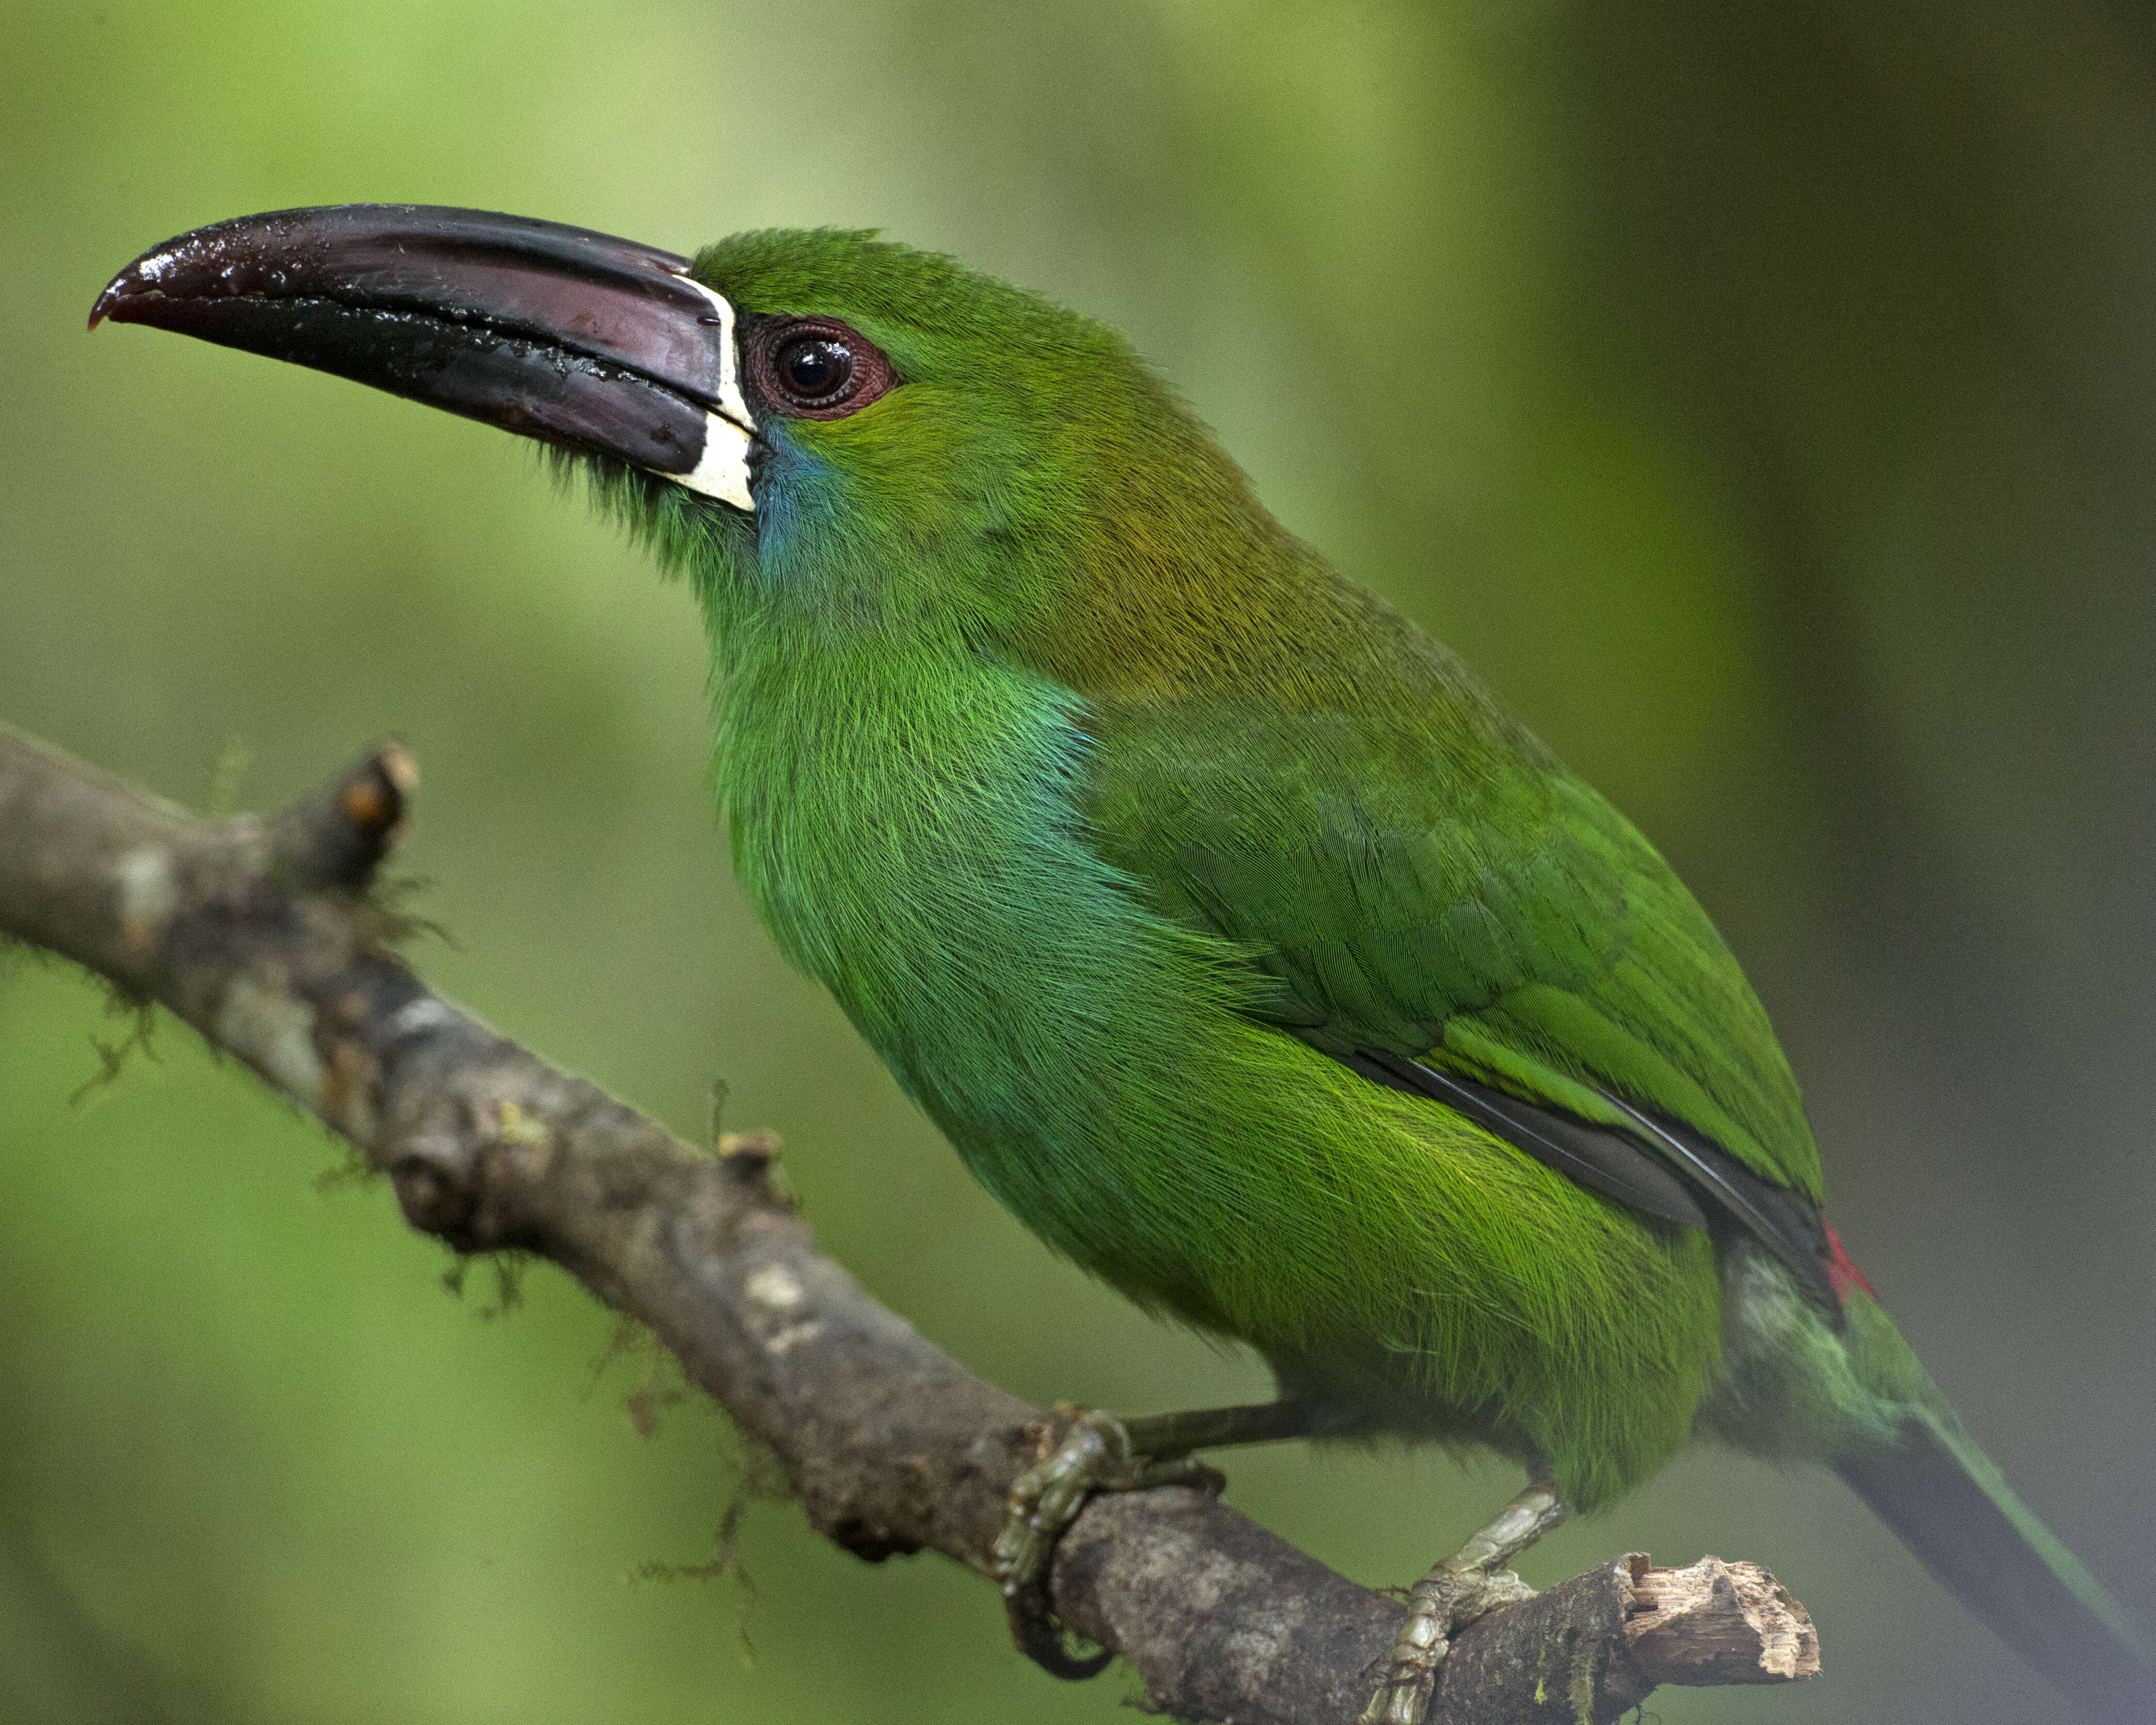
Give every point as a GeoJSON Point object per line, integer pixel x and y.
{"type": "Point", "coordinates": [1042, 1640]}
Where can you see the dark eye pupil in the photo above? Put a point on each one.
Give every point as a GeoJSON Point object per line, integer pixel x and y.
{"type": "Point", "coordinates": [816, 368]}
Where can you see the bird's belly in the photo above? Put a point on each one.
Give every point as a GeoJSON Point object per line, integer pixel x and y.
{"type": "Point", "coordinates": [1377, 1249]}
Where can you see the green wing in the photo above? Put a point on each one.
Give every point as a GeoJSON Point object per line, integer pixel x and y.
{"type": "Point", "coordinates": [1439, 889]}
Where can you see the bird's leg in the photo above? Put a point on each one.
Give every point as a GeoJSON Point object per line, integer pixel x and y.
{"type": "Point", "coordinates": [1469, 1582]}
{"type": "Point", "coordinates": [1101, 1453]}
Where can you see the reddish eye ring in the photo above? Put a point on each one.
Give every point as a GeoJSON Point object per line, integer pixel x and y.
{"type": "Point", "coordinates": [816, 367]}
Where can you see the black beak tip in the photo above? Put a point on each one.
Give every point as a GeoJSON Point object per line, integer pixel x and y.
{"type": "Point", "coordinates": [203, 264]}
{"type": "Point", "coordinates": [121, 296]}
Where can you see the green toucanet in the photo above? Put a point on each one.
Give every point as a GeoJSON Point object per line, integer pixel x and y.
{"type": "Point", "coordinates": [1240, 944]}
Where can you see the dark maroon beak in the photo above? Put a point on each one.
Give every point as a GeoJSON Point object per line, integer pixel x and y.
{"type": "Point", "coordinates": [570, 336]}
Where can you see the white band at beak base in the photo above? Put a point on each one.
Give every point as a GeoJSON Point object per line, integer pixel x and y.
{"type": "Point", "coordinates": [722, 471]}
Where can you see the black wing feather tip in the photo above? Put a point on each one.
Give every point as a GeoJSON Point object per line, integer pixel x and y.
{"type": "Point", "coordinates": [1782, 1219]}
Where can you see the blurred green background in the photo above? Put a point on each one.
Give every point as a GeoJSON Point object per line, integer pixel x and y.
{"type": "Point", "coordinates": [1759, 396]}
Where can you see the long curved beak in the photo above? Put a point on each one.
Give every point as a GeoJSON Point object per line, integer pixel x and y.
{"type": "Point", "coordinates": [594, 343]}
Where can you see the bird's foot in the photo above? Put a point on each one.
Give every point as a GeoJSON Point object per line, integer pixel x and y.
{"type": "Point", "coordinates": [1097, 1455]}
{"type": "Point", "coordinates": [1440, 1605]}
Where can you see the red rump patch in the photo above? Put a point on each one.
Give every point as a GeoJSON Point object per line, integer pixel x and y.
{"type": "Point", "coordinates": [1840, 1271]}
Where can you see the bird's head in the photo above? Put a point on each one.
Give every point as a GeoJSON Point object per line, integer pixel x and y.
{"type": "Point", "coordinates": [816, 421]}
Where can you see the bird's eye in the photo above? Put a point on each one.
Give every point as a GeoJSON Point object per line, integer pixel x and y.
{"type": "Point", "coordinates": [816, 367]}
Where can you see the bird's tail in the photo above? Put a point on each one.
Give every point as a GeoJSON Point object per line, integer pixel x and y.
{"type": "Point", "coordinates": [1924, 1477]}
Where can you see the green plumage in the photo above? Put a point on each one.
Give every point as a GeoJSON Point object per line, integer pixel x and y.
{"type": "Point", "coordinates": [1239, 942]}
{"type": "Point", "coordinates": [1112, 814]}
{"type": "Point", "coordinates": [1085, 787]}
